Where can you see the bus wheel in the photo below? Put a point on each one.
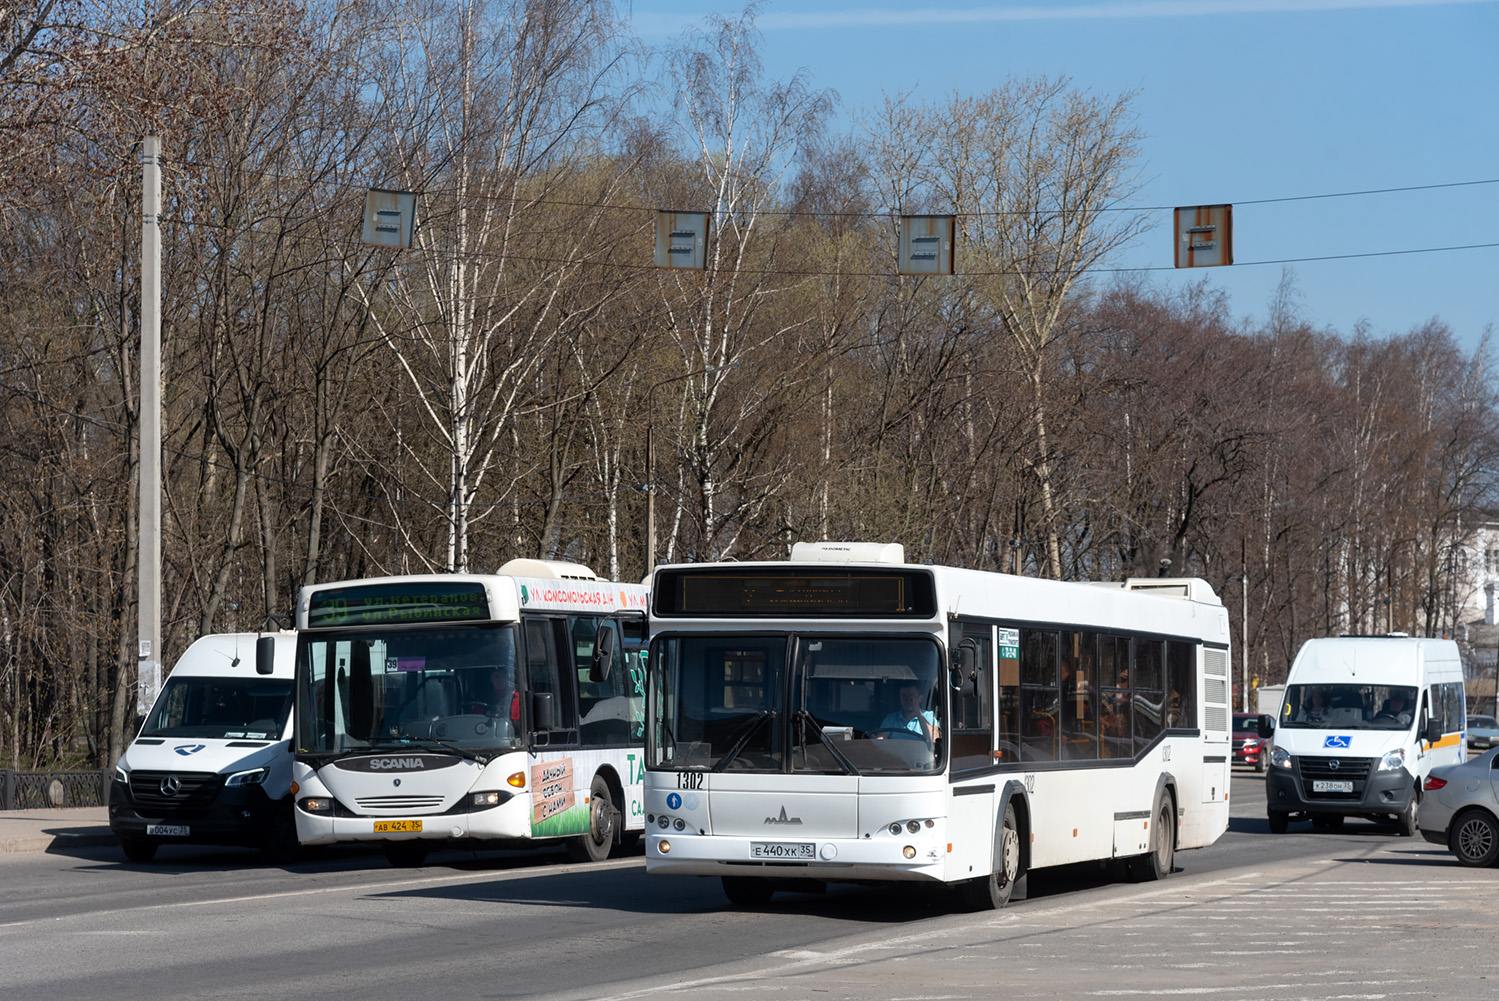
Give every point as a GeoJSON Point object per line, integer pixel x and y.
{"type": "Point", "coordinates": [993, 892]}
{"type": "Point", "coordinates": [138, 850]}
{"type": "Point", "coordinates": [1279, 821]}
{"type": "Point", "coordinates": [1159, 861]}
{"type": "Point", "coordinates": [1474, 839]}
{"type": "Point", "coordinates": [1406, 819]}
{"type": "Point", "coordinates": [596, 844]}
{"type": "Point", "coordinates": [744, 891]}
{"type": "Point", "coordinates": [405, 854]}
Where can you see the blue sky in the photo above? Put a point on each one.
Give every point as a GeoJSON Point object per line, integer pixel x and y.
{"type": "Point", "coordinates": [1240, 101]}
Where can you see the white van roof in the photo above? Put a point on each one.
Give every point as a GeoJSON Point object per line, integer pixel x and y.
{"type": "Point", "coordinates": [233, 654]}
{"type": "Point", "coordinates": [1370, 659]}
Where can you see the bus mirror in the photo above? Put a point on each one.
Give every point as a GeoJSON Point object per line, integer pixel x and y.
{"type": "Point", "coordinates": [603, 655]}
{"type": "Point", "coordinates": [967, 665]}
{"type": "Point", "coordinates": [265, 655]}
{"type": "Point", "coordinates": [1267, 726]}
{"type": "Point", "coordinates": [542, 717]}
{"type": "Point", "coordinates": [1433, 731]}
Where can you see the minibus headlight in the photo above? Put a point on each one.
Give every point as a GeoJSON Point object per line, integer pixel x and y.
{"type": "Point", "coordinates": [253, 777]}
{"type": "Point", "coordinates": [1393, 760]}
{"type": "Point", "coordinates": [120, 775]}
{"type": "Point", "coordinates": [1280, 757]}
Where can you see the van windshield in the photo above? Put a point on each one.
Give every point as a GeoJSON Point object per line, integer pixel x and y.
{"type": "Point", "coordinates": [224, 708]}
{"type": "Point", "coordinates": [1349, 707]}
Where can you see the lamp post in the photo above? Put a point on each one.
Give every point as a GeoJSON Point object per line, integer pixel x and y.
{"type": "Point", "coordinates": [650, 459]}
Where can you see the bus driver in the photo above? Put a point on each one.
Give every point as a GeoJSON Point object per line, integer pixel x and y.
{"type": "Point", "coordinates": [910, 716]}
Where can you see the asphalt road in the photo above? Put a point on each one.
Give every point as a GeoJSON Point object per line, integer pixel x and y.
{"type": "Point", "coordinates": [1361, 914]}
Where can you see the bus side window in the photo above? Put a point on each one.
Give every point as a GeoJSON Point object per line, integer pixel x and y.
{"type": "Point", "coordinates": [546, 677]}
{"type": "Point", "coordinates": [972, 724]}
{"type": "Point", "coordinates": [605, 715]}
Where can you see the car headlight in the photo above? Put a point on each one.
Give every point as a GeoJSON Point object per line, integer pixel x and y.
{"type": "Point", "coordinates": [1392, 761]}
{"type": "Point", "coordinates": [121, 775]}
{"type": "Point", "coordinates": [253, 777]}
{"type": "Point", "coordinates": [1280, 757]}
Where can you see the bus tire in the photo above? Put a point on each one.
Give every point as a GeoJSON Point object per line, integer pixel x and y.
{"type": "Point", "coordinates": [138, 849]}
{"type": "Point", "coordinates": [1405, 820]}
{"type": "Point", "coordinates": [1474, 839]}
{"type": "Point", "coordinates": [602, 821]}
{"type": "Point", "coordinates": [405, 854]}
{"type": "Point", "coordinates": [990, 893]}
{"type": "Point", "coordinates": [1279, 821]}
{"type": "Point", "coordinates": [1161, 859]}
{"type": "Point", "coordinates": [746, 891]}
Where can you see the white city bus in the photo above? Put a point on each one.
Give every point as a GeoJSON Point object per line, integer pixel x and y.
{"type": "Point", "coordinates": [470, 710]}
{"type": "Point", "coordinates": [849, 717]}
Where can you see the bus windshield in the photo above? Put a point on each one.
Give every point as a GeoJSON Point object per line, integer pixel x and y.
{"type": "Point", "coordinates": [775, 703]}
{"type": "Point", "coordinates": [450, 688]}
{"type": "Point", "coordinates": [227, 708]}
{"type": "Point", "coordinates": [1349, 707]}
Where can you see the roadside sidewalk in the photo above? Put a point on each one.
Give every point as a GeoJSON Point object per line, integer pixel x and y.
{"type": "Point", "coordinates": [54, 830]}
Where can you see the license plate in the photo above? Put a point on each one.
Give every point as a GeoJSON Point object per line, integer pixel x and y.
{"type": "Point", "coordinates": [1327, 785]}
{"type": "Point", "coordinates": [398, 827]}
{"type": "Point", "coordinates": [782, 850]}
{"type": "Point", "coordinates": [167, 830]}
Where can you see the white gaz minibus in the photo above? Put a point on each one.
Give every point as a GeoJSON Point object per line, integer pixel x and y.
{"type": "Point", "coordinates": [849, 717]}
{"type": "Point", "coordinates": [1364, 719]}
{"type": "Point", "coordinates": [471, 710]}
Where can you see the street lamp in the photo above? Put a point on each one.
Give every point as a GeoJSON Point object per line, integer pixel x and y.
{"type": "Point", "coordinates": [650, 459]}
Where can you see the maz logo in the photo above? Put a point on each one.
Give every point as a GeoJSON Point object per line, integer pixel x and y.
{"type": "Point", "coordinates": [783, 819]}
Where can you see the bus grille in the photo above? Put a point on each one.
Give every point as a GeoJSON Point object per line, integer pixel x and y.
{"type": "Point", "coordinates": [399, 802]}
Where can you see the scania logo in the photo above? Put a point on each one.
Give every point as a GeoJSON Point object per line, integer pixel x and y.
{"type": "Point", "coordinates": [396, 764]}
{"type": "Point", "coordinates": [170, 785]}
{"type": "Point", "coordinates": [783, 819]}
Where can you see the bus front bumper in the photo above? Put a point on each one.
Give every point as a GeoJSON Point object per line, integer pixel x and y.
{"type": "Point", "coordinates": [827, 859]}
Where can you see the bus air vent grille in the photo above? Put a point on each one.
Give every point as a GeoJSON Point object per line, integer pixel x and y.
{"type": "Point", "coordinates": [399, 802]}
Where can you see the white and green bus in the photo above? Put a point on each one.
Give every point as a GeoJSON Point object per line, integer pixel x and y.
{"type": "Point", "coordinates": [848, 717]}
{"type": "Point", "coordinates": [471, 710]}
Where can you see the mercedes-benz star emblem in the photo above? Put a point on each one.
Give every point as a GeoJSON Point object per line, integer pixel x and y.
{"type": "Point", "coordinates": [170, 785]}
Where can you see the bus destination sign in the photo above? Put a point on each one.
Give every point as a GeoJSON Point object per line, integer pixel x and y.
{"type": "Point", "coordinates": [396, 604]}
{"type": "Point", "coordinates": [800, 593]}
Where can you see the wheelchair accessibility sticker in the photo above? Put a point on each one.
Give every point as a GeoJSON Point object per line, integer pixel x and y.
{"type": "Point", "coordinates": [1343, 740]}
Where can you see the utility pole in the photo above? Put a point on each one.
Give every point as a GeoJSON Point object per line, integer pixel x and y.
{"type": "Point", "coordinates": [1244, 617]}
{"type": "Point", "coordinates": [149, 631]}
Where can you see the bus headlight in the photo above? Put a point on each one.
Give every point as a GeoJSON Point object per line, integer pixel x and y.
{"type": "Point", "coordinates": [1392, 761]}
{"type": "Point", "coordinates": [253, 777]}
{"type": "Point", "coordinates": [482, 800]}
{"type": "Point", "coordinates": [1280, 757]}
{"type": "Point", "coordinates": [317, 804]}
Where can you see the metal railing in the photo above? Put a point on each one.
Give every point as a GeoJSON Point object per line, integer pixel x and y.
{"type": "Point", "coordinates": [47, 790]}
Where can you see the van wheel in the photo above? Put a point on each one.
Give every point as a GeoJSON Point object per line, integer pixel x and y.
{"type": "Point", "coordinates": [1279, 821]}
{"type": "Point", "coordinates": [743, 891]}
{"type": "Point", "coordinates": [602, 819]}
{"type": "Point", "coordinates": [990, 893]}
{"type": "Point", "coordinates": [1406, 819]}
{"type": "Point", "coordinates": [280, 845]}
{"type": "Point", "coordinates": [1161, 859]}
{"type": "Point", "coordinates": [405, 854]}
{"type": "Point", "coordinates": [1474, 839]}
{"type": "Point", "coordinates": [138, 849]}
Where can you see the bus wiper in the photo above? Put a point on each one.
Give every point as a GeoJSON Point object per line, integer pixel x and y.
{"type": "Point", "coordinates": [447, 743]}
{"type": "Point", "coordinates": [848, 766]}
{"type": "Point", "coordinates": [749, 731]}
